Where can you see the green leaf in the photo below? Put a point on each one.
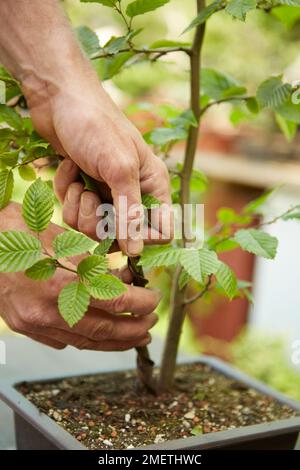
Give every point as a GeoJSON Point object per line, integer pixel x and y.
{"type": "Point", "coordinates": [190, 260]}
{"type": "Point", "coordinates": [42, 270]}
{"type": "Point", "coordinates": [216, 84]}
{"type": "Point", "coordinates": [139, 7]}
{"type": "Point", "coordinates": [106, 3]}
{"type": "Point", "coordinates": [165, 135]}
{"type": "Point", "coordinates": [114, 45]}
{"type": "Point", "coordinates": [288, 128]}
{"type": "Point", "coordinates": [150, 201]}
{"type": "Point", "coordinates": [160, 256]}
{"type": "Point", "coordinates": [38, 206]}
{"type": "Point", "coordinates": [197, 430]}
{"type": "Point", "coordinates": [254, 207]}
{"type": "Point", "coordinates": [257, 242]}
{"type": "Point", "coordinates": [239, 8]}
{"type": "Point", "coordinates": [106, 287]}
{"type": "Point", "coordinates": [184, 278]}
{"type": "Point", "coordinates": [204, 15]}
{"type": "Point", "coordinates": [227, 279]}
{"type": "Point", "coordinates": [27, 173]}
{"type": "Point", "coordinates": [252, 105]}
{"type": "Point", "coordinates": [10, 117]}
{"type": "Point", "coordinates": [71, 243]}
{"type": "Point", "coordinates": [6, 187]}
{"type": "Point", "coordinates": [209, 262]}
{"type": "Point", "coordinates": [294, 215]}
{"type": "Point", "coordinates": [103, 247]}
{"type": "Point", "coordinates": [288, 15]}
{"type": "Point", "coordinates": [289, 111]}
{"type": "Point", "coordinates": [73, 302]}
{"type": "Point", "coordinates": [88, 39]}
{"type": "Point", "coordinates": [10, 158]}
{"type": "Point", "coordinates": [18, 251]}
{"type": "Point", "coordinates": [228, 216]}
{"type": "Point", "coordinates": [108, 68]}
{"type": "Point", "coordinates": [294, 3]}
{"type": "Point", "coordinates": [273, 93]}
{"type": "Point", "coordinates": [168, 43]}
{"type": "Point", "coordinates": [91, 266]}
{"type": "Point", "coordinates": [89, 183]}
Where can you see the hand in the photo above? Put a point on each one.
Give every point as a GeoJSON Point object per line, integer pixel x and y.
{"type": "Point", "coordinates": [84, 125]}
{"type": "Point", "coordinates": [30, 307]}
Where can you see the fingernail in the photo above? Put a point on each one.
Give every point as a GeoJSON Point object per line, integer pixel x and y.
{"type": "Point", "coordinates": [135, 247]}
{"type": "Point", "coordinates": [72, 196]}
{"type": "Point", "coordinates": [67, 165]}
{"type": "Point", "coordinates": [87, 207]}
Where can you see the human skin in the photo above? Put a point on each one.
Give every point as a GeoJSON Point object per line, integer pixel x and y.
{"type": "Point", "coordinates": [30, 307]}
{"type": "Point", "coordinates": [70, 109]}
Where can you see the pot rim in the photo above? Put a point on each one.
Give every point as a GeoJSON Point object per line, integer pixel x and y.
{"type": "Point", "coordinates": [64, 440]}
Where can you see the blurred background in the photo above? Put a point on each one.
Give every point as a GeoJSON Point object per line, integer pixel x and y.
{"type": "Point", "coordinates": [242, 156]}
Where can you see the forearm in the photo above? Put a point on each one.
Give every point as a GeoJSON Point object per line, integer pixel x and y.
{"type": "Point", "coordinates": [38, 46]}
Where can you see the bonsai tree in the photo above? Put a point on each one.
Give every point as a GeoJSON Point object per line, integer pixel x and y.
{"type": "Point", "coordinates": [21, 147]}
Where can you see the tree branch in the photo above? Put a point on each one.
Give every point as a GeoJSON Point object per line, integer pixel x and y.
{"type": "Point", "coordinates": [177, 314]}
{"type": "Point", "coordinates": [199, 295]}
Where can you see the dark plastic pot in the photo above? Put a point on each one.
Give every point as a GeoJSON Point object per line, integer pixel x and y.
{"type": "Point", "coordinates": [35, 430]}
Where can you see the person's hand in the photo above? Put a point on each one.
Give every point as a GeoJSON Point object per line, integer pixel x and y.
{"type": "Point", "coordinates": [84, 125]}
{"type": "Point", "coordinates": [30, 307]}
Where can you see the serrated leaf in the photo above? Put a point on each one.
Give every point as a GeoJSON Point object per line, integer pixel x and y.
{"type": "Point", "coordinates": [103, 247]}
{"type": "Point", "coordinates": [27, 173]}
{"type": "Point", "coordinates": [6, 187]}
{"type": "Point", "coordinates": [91, 266]}
{"type": "Point", "coordinates": [294, 215]}
{"type": "Point", "coordinates": [184, 278]}
{"type": "Point", "coordinates": [204, 15]}
{"type": "Point", "coordinates": [42, 270]}
{"type": "Point", "coordinates": [160, 256]}
{"type": "Point", "coordinates": [139, 7]}
{"type": "Point", "coordinates": [239, 8]}
{"type": "Point", "coordinates": [88, 39]}
{"type": "Point", "coordinates": [71, 243]}
{"type": "Point", "coordinates": [38, 206]}
{"type": "Point", "coordinates": [257, 242]}
{"type": "Point", "coordinates": [10, 158]}
{"type": "Point", "coordinates": [106, 287]}
{"type": "Point", "coordinates": [227, 279]}
{"type": "Point", "coordinates": [115, 44]}
{"type": "Point", "coordinates": [165, 135]}
{"type": "Point", "coordinates": [10, 117]}
{"type": "Point", "coordinates": [216, 84]}
{"type": "Point", "coordinates": [73, 302]}
{"type": "Point", "coordinates": [150, 201]}
{"type": "Point", "coordinates": [18, 251]}
{"type": "Point", "coordinates": [209, 262]}
{"type": "Point", "coordinates": [289, 111]}
{"type": "Point", "coordinates": [273, 93]}
{"type": "Point", "coordinates": [190, 260]}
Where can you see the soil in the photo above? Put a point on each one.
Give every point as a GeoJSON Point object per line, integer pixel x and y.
{"type": "Point", "coordinates": [104, 411]}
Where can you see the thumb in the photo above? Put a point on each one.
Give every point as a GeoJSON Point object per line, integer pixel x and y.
{"type": "Point", "coordinates": [126, 194]}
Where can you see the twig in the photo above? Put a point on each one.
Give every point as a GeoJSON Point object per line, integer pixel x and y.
{"type": "Point", "coordinates": [199, 295]}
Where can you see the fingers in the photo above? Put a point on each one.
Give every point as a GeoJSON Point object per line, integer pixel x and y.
{"type": "Point", "coordinates": [66, 174]}
{"type": "Point", "coordinates": [136, 300]}
{"type": "Point", "coordinates": [53, 343]}
{"type": "Point", "coordinates": [87, 219]}
{"type": "Point", "coordinates": [126, 194]}
{"type": "Point", "coordinates": [79, 210]}
{"type": "Point", "coordinates": [156, 182]}
{"type": "Point", "coordinates": [101, 326]}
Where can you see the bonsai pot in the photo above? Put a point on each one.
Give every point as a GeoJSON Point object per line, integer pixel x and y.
{"type": "Point", "coordinates": [35, 430]}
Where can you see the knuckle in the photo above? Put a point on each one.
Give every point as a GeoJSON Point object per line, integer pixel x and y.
{"type": "Point", "coordinates": [121, 303]}
{"type": "Point", "coordinates": [104, 330]}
